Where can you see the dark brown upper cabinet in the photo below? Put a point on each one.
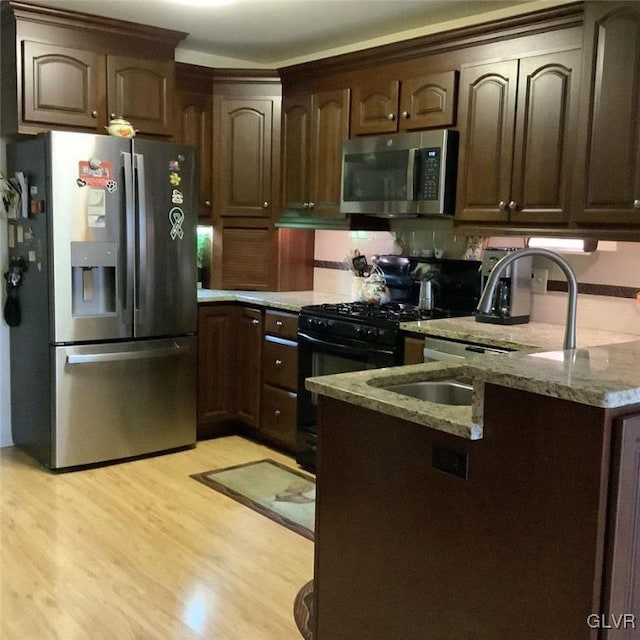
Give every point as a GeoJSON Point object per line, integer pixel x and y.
{"type": "Point", "coordinates": [518, 124]}
{"type": "Point", "coordinates": [243, 150]}
{"type": "Point", "coordinates": [194, 106]}
{"type": "Point", "coordinates": [607, 182]}
{"type": "Point", "coordinates": [60, 85]}
{"type": "Point", "coordinates": [141, 91]}
{"type": "Point", "coordinates": [416, 103]}
{"type": "Point", "coordinates": [71, 71]}
{"type": "Point", "coordinates": [314, 127]}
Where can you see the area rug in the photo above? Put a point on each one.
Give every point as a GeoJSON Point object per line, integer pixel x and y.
{"type": "Point", "coordinates": [303, 611]}
{"type": "Point", "coordinates": [285, 495]}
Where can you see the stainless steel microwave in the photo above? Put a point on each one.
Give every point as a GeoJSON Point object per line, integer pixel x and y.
{"type": "Point", "coordinates": [400, 175]}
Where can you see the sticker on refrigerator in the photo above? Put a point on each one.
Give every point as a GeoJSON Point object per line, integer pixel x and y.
{"type": "Point", "coordinates": [95, 173]}
{"type": "Point", "coordinates": [96, 212]}
{"type": "Point", "coordinates": [177, 197]}
{"type": "Point", "coordinates": [176, 218]}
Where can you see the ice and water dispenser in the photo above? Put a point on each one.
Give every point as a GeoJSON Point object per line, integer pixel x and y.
{"type": "Point", "coordinates": [93, 278]}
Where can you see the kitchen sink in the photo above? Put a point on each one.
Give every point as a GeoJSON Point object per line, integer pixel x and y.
{"type": "Point", "coordinates": [453, 392]}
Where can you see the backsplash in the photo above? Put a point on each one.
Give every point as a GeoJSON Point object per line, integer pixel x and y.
{"type": "Point", "coordinates": [608, 277]}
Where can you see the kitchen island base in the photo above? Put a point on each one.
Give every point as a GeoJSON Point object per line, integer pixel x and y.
{"type": "Point", "coordinates": [518, 535]}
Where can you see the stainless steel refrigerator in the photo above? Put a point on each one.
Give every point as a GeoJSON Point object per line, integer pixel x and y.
{"type": "Point", "coordinates": [103, 362]}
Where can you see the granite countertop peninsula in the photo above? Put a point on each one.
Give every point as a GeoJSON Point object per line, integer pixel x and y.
{"type": "Point", "coordinates": [284, 300]}
{"type": "Point", "coordinates": [363, 388]}
{"type": "Point", "coordinates": [605, 376]}
{"type": "Point", "coordinates": [532, 335]}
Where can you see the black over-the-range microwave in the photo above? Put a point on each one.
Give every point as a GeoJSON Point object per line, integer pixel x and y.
{"type": "Point", "coordinates": [404, 174]}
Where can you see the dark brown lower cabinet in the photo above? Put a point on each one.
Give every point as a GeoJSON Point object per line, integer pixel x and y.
{"type": "Point", "coordinates": [216, 353]}
{"type": "Point", "coordinates": [528, 533]}
{"type": "Point", "coordinates": [248, 358]}
{"type": "Point", "coordinates": [280, 380]}
{"type": "Point", "coordinates": [279, 416]}
{"type": "Point", "coordinates": [247, 380]}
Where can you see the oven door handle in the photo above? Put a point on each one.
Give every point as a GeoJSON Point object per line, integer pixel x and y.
{"type": "Point", "coordinates": [342, 348]}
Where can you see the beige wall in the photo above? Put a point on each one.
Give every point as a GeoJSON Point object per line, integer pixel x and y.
{"type": "Point", "coordinates": [618, 265]}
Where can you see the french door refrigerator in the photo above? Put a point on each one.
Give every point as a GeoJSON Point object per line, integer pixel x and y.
{"type": "Point", "coordinates": [103, 363]}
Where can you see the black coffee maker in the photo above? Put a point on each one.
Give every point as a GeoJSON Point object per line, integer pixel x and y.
{"type": "Point", "coordinates": [511, 302]}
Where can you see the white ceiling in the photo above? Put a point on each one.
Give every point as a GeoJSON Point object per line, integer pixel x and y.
{"type": "Point", "coordinates": [273, 32]}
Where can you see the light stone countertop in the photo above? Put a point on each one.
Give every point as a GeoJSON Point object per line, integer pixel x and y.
{"type": "Point", "coordinates": [604, 376]}
{"type": "Point", "coordinates": [533, 335]}
{"type": "Point", "coordinates": [284, 300]}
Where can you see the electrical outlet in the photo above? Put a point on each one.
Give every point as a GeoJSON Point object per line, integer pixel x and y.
{"type": "Point", "coordinates": [539, 279]}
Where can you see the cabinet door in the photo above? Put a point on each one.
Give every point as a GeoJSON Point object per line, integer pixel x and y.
{"type": "Point", "coordinates": [248, 359]}
{"type": "Point", "coordinates": [216, 338]}
{"type": "Point", "coordinates": [141, 91]}
{"type": "Point", "coordinates": [278, 421]}
{"type": "Point", "coordinates": [242, 153]}
{"type": "Point", "coordinates": [608, 164]}
{"type": "Point", "coordinates": [544, 146]}
{"type": "Point", "coordinates": [486, 122]}
{"type": "Point", "coordinates": [296, 110]}
{"type": "Point", "coordinates": [428, 101]}
{"type": "Point", "coordinates": [195, 130]}
{"type": "Point", "coordinates": [243, 258]}
{"type": "Point", "coordinates": [60, 85]}
{"type": "Point", "coordinates": [623, 562]}
{"type": "Point", "coordinates": [280, 363]}
{"type": "Point", "coordinates": [374, 108]}
{"type": "Point", "coordinates": [329, 129]}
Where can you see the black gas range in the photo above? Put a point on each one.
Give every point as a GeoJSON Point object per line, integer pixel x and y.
{"type": "Point", "coordinates": [375, 322]}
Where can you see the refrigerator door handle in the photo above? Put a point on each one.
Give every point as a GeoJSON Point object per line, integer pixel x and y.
{"type": "Point", "coordinates": [141, 231]}
{"type": "Point", "coordinates": [90, 358]}
{"type": "Point", "coordinates": [128, 227]}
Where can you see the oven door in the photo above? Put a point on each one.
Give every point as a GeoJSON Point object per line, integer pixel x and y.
{"type": "Point", "coordinates": [318, 356]}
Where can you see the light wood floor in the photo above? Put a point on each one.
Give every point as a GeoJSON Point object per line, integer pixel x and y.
{"type": "Point", "coordinates": [139, 550]}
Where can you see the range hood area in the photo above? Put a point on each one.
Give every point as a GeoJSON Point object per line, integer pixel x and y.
{"type": "Point", "coordinates": [355, 222]}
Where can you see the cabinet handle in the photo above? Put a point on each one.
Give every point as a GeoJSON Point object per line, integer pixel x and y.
{"type": "Point", "coordinates": [207, 203]}
{"type": "Point", "coordinates": [112, 115]}
{"type": "Point", "coordinates": [405, 115]}
{"type": "Point", "coordinates": [311, 205]}
{"type": "Point", "coordinates": [276, 413]}
{"type": "Point", "coordinates": [513, 205]}
{"type": "Point", "coordinates": [94, 114]}
{"type": "Point", "coordinates": [636, 204]}
{"type": "Point", "coordinates": [502, 205]}
{"type": "Point", "coordinates": [265, 205]}
{"type": "Point", "coordinates": [255, 321]}
{"type": "Point", "coordinates": [279, 323]}
{"type": "Point", "coordinates": [391, 116]}
{"type": "Point", "coordinates": [305, 205]}
{"type": "Point", "coordinates": [278, 363]}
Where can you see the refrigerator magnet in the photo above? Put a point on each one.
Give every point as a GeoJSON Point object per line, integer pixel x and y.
{"type": "Point", "coordinates": [177, 197]}
{"type": "Point", "coordinates": [174, 179]}
{"type": "Point", "coordinates": [176, 218]}
{"type": "Point", "coordinates": [94, 173]}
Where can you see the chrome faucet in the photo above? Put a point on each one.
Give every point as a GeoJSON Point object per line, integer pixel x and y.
{"type": "Point", "coordinates": [484, 305]}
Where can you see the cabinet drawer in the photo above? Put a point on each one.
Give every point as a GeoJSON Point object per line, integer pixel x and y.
{"type": "Point", "coordinates": [279, 415]}
{"type": "Point", "coordinates": [280, 363]}
{"type": "Point", "coordinates": [284, 325]}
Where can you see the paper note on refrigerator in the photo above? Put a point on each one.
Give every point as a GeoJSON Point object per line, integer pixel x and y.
{"type": "Point", "coordinates": [96, 208]}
